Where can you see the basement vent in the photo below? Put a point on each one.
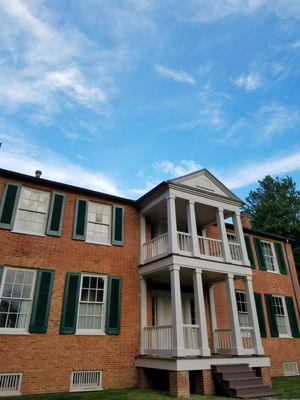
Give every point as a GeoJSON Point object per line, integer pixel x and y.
{"type": "Point", "coordinates": [86, 380]}
{"type": "Point", "coordinates": [10, 384]}
{"type": "Point", "coordinates": [290, 368]}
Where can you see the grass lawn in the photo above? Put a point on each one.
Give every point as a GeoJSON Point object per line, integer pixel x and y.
{"type": "Point", "coordinates": [284, 388]}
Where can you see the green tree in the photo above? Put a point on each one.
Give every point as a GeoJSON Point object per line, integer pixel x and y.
{"type": "Point", "coordinates": [274, 207]}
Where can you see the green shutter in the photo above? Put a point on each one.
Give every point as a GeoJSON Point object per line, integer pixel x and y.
{"type": "Point", "coordinates": [292, 317]}
{"type": "Point", "coordinates": [9, 205]}
{"type": "Point", "coordinates": [271, 315]}
{"type": "Point", "coordinates": [42, 301]}
{"type": "Point", "coordinates": [113, 314]}
{"type": "Point", "coordinates": [1, 272]}
{"type": "Point", "coordinates": [80, 220]}
{"type": "Point", "coordinates": [260, 256]}
{"type": "Point", "coordinates": [56, 214]}
{"type": "Point", "coordinates": [70, 305]}
{"type": "Point", "coordinates": [280, 258]}
{"type": "Point", "coordinates": [260, 315]}
{"type": "Point", "coordinates": [118, 226]}
{"type": "Point", "coordinates": [249, 251]}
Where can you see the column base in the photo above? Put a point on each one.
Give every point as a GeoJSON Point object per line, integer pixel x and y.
{"type": "Point", "coordinates": [179, 352]}
{"type": "Point", "coordinates": [205, 352]}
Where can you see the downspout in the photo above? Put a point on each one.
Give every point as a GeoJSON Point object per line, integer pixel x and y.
{"type": "Point", "coordinates": [292, 277]}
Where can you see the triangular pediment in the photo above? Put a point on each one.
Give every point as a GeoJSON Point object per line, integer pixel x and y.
{"type": "Point", "coordinates": [205, 181]}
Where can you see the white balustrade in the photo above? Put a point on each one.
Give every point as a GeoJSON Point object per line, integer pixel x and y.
{"type": "Point", "coordinates": [247, 337]}
{"type": "Point", "coordinates": [222, 338]}
{"type": "Point", "coordinates": [235, 251]}
{"type": "Point", "coordinates": [155, 247]}
{"type": "Point", "coordinates": [191, 337]}
{"type": "Point", "coordinates": [158, 338]}
{"type": "Point", "coordinates": [210, 247]}
{"type": "Point", "coordinates": [184, 241]}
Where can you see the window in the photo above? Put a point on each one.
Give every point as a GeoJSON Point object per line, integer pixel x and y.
{"type": "Point", "coordinates": [91, 310]}
{"type": "Point", "coordinates": [242, 309]}
{"type": "Point", "coordinates": [280, 312]}
{"type": "Point", "coordinates": [32, 210]}
{"type": "Point", "coordinates": [98, 223]}
{"type": "Point", "coordinates": [16, 295]}
{"type": "Point", "coordinates": [269, 256]}
{"type": "Point", "coordinates": [234, 247]}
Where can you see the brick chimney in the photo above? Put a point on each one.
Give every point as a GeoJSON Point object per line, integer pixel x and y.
{"type": "Point", "coordinates": [246, 220]}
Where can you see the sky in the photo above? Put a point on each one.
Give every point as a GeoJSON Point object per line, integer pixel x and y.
{"type": "Point", "coordinates": [118, 96]}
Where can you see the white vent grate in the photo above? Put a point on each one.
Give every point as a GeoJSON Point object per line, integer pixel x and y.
{"type": "Point", "coordinates": [290, 368]}
{"type": "Point", "coordinates": [10, 384]}
{"type": "Point", "coordinates": [86, 380]}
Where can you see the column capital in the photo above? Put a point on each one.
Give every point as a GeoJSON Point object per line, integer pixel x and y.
{"type": "Point", "coordinates": [174, 268]}
{"type": "Point", "coordinates": [249, 278]}
{"type": "Point", "coordinates": [230, 275]}
{"type": "Point", "coordinates": [221, 209]}
{"type": "Point", "coordinates": [171, 196]}
{"type": "Point", "coordinates": [237, 213]}
{"type": "Point", "coordinates": [192, 202]}
{"type": "Point", "coordinates": [198, 271]}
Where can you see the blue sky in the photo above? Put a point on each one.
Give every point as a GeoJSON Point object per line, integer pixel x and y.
{"type": "Point", "coordinates": [120, 95]}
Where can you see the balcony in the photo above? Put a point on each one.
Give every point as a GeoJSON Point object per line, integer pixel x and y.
{"type": "Point", "coordinates": [208, 248]}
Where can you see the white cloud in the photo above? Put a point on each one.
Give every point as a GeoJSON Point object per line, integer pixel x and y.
{"type": "Point", "coordinates": [174, 170]}
{"type": "Point", "coordinates": [250, 82]}
{"type": "Point", "coordinates": [254, 171]}
{"type": "Point", "coordinates": [175, 75]}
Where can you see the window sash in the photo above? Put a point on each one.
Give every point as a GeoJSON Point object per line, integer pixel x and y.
{"type": "Point", "coordinates": [281, 316]}
{"type": "Point", "coordinates": [243, 313]}
{"type": "Point", "coordinates": [269, 256]}
{"type": "Point", "coordinates": [91, 312]}
{"type": "Point", "coordinates": [98, 224]}
{"type": "Point", "coordinates": [15, 307]}
{"type": "Point", "coordinates": [31, 215]}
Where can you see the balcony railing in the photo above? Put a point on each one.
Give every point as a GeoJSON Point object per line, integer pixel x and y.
{"type": "Point", "coordinates": [235, 251]}
{"type": "Point", "coordinates": [191, 337]}
{"type": "Point", "coordinates": [158, 339]}
{"type": "Point", "coordinates": [222, 340]}
{"type": "Point", "coordinates": [247, 337]}
{"type": "Point", "coordinates": [184, 242]}
{"type": "Point", "coordinates": [210, 247]}
{"type": "Point", "coordinates": [155, 247]}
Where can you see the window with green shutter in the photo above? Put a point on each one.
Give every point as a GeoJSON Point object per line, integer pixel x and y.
{"type": "Point", "coordinates": [292, 317]}
{"type": "Point", "coordinates": [249, 251]}
{"type": "Point", "coordinates": [80, 219]}
{"type": "Point", "coordinates": [260, 315]}
{"type": "Point", "coordinates": [118, 226]}
{"type": "Point", "coordinates": [280, 258]}
{"type": "Point", "coordinates": [271, 315]}
{"type": "Point", "coordinates": [8, 205]}
{"type": "Point", "coordinates": [1, 272]}
{"type": "Point", "coordinates": [113, 316]}
{"type": "Point", "coordinates": [260, 255]}
{"type": "Point", "coordinates": [56, 214]}
{"type": "Point", "coordinates": [42, 301]}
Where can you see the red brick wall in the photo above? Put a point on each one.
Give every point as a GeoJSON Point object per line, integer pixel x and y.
{"type": "Point", "coordinates": [47, 360]}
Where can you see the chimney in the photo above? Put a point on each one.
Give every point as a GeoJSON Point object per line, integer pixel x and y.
{"type": "Point", "coordinates": [38, 173]}
{"type": "Point", "coordinates": [246, 220]}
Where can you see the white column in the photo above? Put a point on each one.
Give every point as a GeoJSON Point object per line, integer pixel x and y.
{"type": "Point", "coordinates": [213, 317]}
{"type": "Point", "coordinates": [238, 229]}
{"type": "Point", "coordinates": [200, 312]}
{"type": "Point", "coordinates": [223, 234]}
{"type": "Point", "coordinates": [143, 236]}
{"type": "Point", "coordinates": [236, 338]}
{"type": "Point", "coordinates": [172, 225]}
{"type": "Point", "coordinates": [205, 243]}
{"type": "Point", "coordinates": [177, 328]}
{"type": "Point", "coordinates": [143, 311]}
{"type": "Point", "coordinates": [192, 228]}
{"type": "Point", "coordinates": [257, 344]}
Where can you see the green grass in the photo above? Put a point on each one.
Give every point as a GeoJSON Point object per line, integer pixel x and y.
{"type": "Point", "coordinates": [284, 388]}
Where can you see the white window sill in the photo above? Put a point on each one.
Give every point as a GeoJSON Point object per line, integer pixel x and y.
{"type": "Point", "coordinates": [101, 244]}
{"type": "Point", "coordinates": [273, 272]}
{"type": "Point", "coordinates": [89, 333]}
{"type": "Point", "coordinates": [281, 336]}
{"type": "Point", "coordinates": [29, 233]}
{"type": "Point", "coordinates": [4, 331]}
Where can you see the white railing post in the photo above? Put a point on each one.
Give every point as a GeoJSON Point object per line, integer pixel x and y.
{"type": "Point", "coordinates": [177, 326]}
{"type": "Point", "coordinates": [236, 218]}
{"type": "Point", "coordinates": [214, 324]}
{"type": "Point", "coordinates": [200, 316]}
{"type": "Point", "coordinates": [143, 312]}
{"type": "Point", "coordinates": [192, 228]}
{"type": "Point", "coordinates": [236, 338]}
{"type": "Point", "coordinates": [257, 344]}
{"type": "Point", "coordinates": [143, 237]}
{"type": "Point", "coordinates": [172, 225]}
{"type": "Point", "coordinates": [223, 234]}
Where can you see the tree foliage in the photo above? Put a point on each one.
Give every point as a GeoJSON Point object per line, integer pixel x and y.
{"type": "Point", "coordinates": [274, 207]}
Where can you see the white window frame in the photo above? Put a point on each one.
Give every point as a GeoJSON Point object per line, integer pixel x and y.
{"type": "Point", "coordinates": [243, 312]}
{"type": "Point", "coordinates": [108, 243]}
{"type": "Point", "coordinates": [274, 257]}
{"type": "Point", "coordinates": [19, 209]}
{"type": "Point", "coordinates": [18, 331]}
{"type": "Point", "coordinates": [235, 249]}
{"type": "Point", "coordinates": [101, 331]}
{"type": "Point", "coordinates": [286, 315]}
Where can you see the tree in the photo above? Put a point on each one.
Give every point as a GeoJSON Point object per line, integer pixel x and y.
{"type": "Point", "coordinates": [274, 207]}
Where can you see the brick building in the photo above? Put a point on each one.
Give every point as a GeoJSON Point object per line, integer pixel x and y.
{"type": "Point", "coordinates": [98, 291]}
